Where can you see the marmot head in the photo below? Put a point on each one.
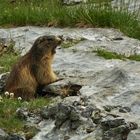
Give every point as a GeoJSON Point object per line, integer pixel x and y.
{"type": "Point", "coordinates": [45, 47]}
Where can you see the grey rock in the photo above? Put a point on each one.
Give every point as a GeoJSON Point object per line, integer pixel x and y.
{"type": "Point", "coordinates": [66, 112]}
{"type": "Point", "coordinates": [69, 120]}
{"type": "Point", "coordinates": [74, 116]}
{"type": "Point", "coordinates": [75, 124]}
{"type": "Point", "coordinates": [124, 109]}
{"type": "Point", "coordinates": [22, 113]}
{"type": "Point", "coordinates": [119, 133]}
{"type": "Point", "coordinates": [96, 116]}
{"type": "Point", "coordinates": [104, 82]}
{"type": "Point", "coordinates": [115, 77]}
{"type": "Point", "coordinates": [63, 88]}
{"type": "Point", "coordinates": [111, 123]}
{"type": "Point", "coordinates": [3, 135]}
{"type": "Point", "coordinates": [66, 137]}
{"type": "Point", "coordinates": [108, 108]}
{"type": "Point", "coordinates": [132, 135]}
{"type": "Point", "coordinates": [49, 112]}
{"type": "Point", "coordinates": [87, 111]}
{"type": "Point", "coordinates": [90, 129]}
{"type": "Point", "coordinates": [62, 114]}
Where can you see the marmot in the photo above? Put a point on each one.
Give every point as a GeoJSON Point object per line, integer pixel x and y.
{"type": "Point", "coordinates": [34, 69]}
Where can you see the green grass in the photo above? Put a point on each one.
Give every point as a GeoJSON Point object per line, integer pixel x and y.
{"type": "Point", "coordinates": [8, 117]}
{"type": "Point", "coordinates": [7, 60]}
{"type": "Point", "coordinates": [38, 103]}
{"type": "Point", "coordinates": [134, 57]}
{"type": "Point", "coordinates": [53, 13]}
{"type": "Point", "coordinates": [8, 57]}
{"type": "Point", "coordinates": [112, 55]}
{"type": "Point", "coordinates": [109, 55]}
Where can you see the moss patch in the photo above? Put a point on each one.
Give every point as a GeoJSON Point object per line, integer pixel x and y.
{"type": "Point", "coordinates": [134, 57]}
{"type": "Point", "coordinates": [109, 55]}
{"type": "Point", "coordinates": [112, 55]}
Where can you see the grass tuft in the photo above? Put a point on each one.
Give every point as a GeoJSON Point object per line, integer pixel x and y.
{"type": "Point", "coordinates": [112, 55]}
{"type": "Point", "coordinates": [96, 13]}
{"type": "Point", "coordinates": [134, 57]}
{"type": "Point", "coordinates": [109, 55]}
{"type": "Point", "coordinates": [8, 118]}
{"type": "Point", "coordinates": [7, 61]}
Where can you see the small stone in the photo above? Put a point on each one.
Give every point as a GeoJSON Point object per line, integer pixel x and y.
{"type": "Point", "coordinates": [87, 112]}
{"type": "Point", "coordinates": [120, 132]}
{"type": "Point", "coordinates": [63, 111]}
{"type": "Point", "coordinates": [124, 109]}
{"type": "Point", "coordinates": [74, 115]}
{"type": "Point", "coordinates": [133, 125]}
{"type": "Point", "coordinates": [76, 103]}
{"type": "Point", "coordinates": [75, 124]}
{"type": "Point", "coordinates": [22, 113]}
{"type": "Point", "coordinates": [90, 129]}
{"type": "Point", "coordinates": [108, 108]}
{"type": "Point", "coordinates": [96, 116]}
{"type": "Point", "coordinates": [112, 123]}
{"type": "Point", "coordinates": [118, 38]}
{"type": "Point", "coordinates": [66, 137]}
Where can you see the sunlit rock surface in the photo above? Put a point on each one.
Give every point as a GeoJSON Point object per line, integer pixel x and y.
{"type": "Point", "coordinates": [104, 82]}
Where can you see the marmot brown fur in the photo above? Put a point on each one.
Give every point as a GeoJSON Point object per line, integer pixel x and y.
{"type": "Point", "coordinates": [34, 69]}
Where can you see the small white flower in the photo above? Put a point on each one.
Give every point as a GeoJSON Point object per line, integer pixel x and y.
{"type": "Point", "coordinates": [11, 95]}
{"type": "Point", "coordinates": [19, 98]}
{"type": "Point", "coordinates": [6, 93]}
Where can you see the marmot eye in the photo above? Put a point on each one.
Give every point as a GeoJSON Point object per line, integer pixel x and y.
{"type": "Point", "coordinates": [53, 51]}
